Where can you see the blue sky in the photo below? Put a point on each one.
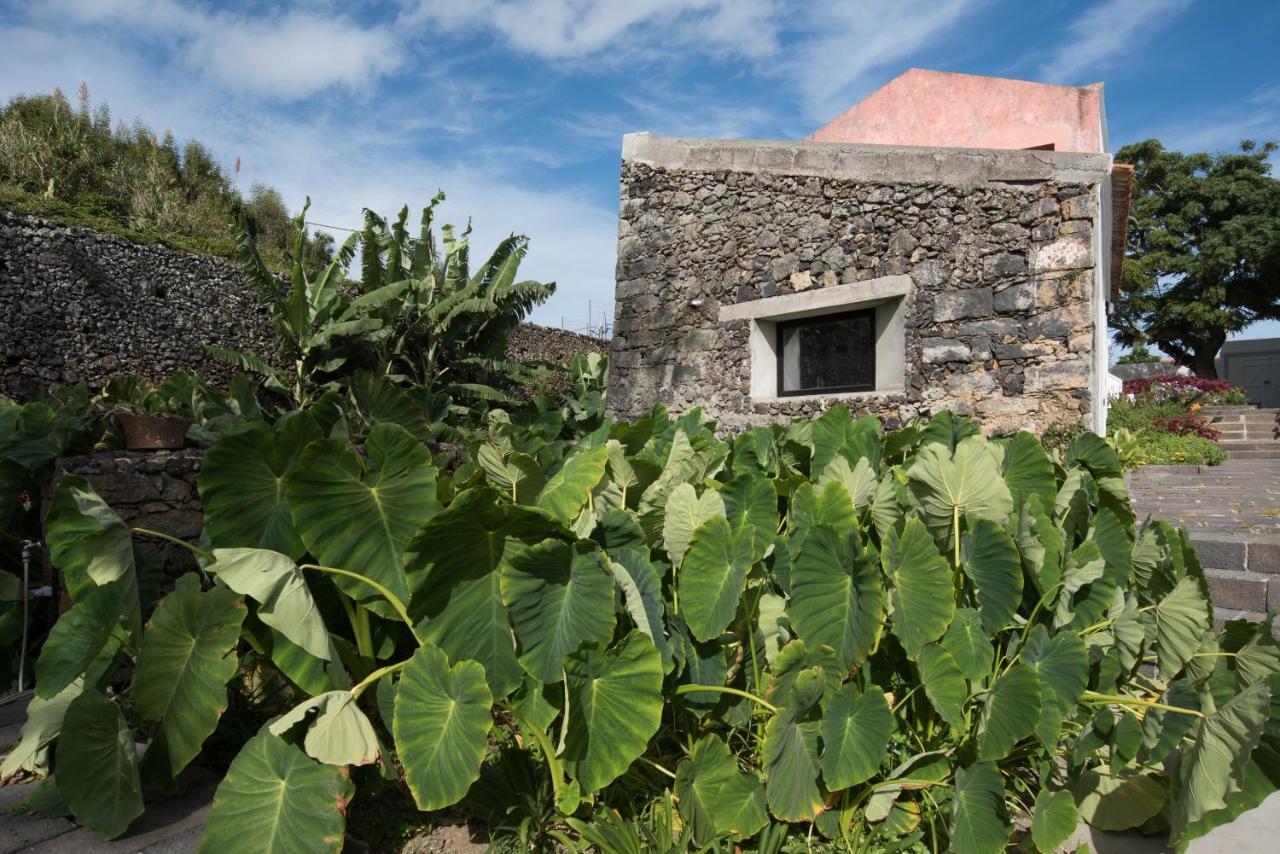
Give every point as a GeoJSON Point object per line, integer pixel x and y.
{"type": "Point", "coordinates": [516, 108]}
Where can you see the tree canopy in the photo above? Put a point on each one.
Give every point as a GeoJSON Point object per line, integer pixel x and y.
{"type": "Point", "coordinates": [1204, 250]}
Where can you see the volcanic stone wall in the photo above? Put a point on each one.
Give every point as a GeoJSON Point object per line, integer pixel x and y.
{"type": "Point", "coordinates": [998, 320]}
{"type": "Point", "coordinates": [76, 304]}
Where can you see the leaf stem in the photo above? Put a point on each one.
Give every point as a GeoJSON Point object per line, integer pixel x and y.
{"type": "Point", "coordinates": [724, 689]}
{"type": "Point", "coordinates": [1136, 701]}
{"type": "Point", "coordinates": [147, 532]}
{"type": "Point", "coordinates": [553, 764]}
{"type": "Point", "coordinates": [385, 593]}
{"type": "Point", "coordinates": [375, 676]}
{"type": "Point", "coordinates": [655, 766]}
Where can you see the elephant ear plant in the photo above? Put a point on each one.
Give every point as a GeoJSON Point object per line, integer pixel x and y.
{"type": "Point", "coordinates": [654, 639]}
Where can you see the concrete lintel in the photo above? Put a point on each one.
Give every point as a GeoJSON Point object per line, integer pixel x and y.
{"type": "Point", "coordinates": [818, 300]}
{"type": "Point", "coordinates": [891, 164]}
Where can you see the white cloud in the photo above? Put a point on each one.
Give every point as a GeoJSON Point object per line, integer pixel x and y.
{"type": "Point", "coordinates": [1106, 32]}
{"type": "Point", "coordinates": [344, 161]}
{"type": "Point", "coordinates": [844, 43]}
{"type": "Point", "coordinates": [575, 29]}
{"type": "Point", "coordinates": [287, 55]}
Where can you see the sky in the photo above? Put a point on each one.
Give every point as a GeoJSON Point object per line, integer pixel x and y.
{"type": "Point", "coordinates": [516, 108]}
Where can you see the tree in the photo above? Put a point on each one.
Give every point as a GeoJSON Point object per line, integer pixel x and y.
{"type": "Point", "coordinates": [1204, 250]}
{"type": "Point", "coordinates": [1139, 355]}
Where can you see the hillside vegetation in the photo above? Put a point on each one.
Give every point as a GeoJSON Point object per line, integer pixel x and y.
{"type": "Point", "coordinates": [70, 164]}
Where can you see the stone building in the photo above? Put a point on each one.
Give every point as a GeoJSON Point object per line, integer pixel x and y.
{"type": "Point", "coordinates": [765, 280]}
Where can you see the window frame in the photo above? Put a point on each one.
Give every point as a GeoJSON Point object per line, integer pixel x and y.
{"type": "Point", "coordinates": [782, 326]}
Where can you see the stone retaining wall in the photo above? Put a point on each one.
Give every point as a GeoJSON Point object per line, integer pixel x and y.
{"type": "Point", "coordinates": [76, 304]}
{"type": "Point", "coordinates": [148, 489]}
{"type": "Point", "coordinates": [1000, 251]}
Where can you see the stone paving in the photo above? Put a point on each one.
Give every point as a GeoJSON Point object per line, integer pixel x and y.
{"type": "Point", "coordinates": [1232, 513]}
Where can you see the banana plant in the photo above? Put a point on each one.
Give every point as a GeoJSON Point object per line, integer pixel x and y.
{"type": "Point", "coordinates": [315, 321]}
{"type": "Point", "coordinates": [446, 328]}
{"type": "Point", "coordinates": [809, 630]}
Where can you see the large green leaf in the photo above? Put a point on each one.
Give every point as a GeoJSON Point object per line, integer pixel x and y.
{"type": "Point", "coordinates": [968, 644]}
{"type": "Point", "coordinates": [279, 801]}
{"type": "Point", "coordinates": [1181, 619]}
{"type": "Point", "coordinates": [274, 581]}
{"type": "Point", "coordinates": [1028, 471]}
{"type": "Point", "coordinates": [1054, 819]}
{"type": "Point", "coordinates": [837, 597]}
{"type": "Point", "coordinates": [790, 751]}
{"type": "Point", "coordinates": [943, 684]}
{"type": "Point", "coordinates": [751, 504]}
{"type": "Point", "coordinates": [835, 433]}
{"type": "Point", "coordinates": [187, 658]}
{"type": "Point", "coordinates": [1009, 713]}
{"type": "Point", "coordinates": [615, 706]}
{"type": "Point", "coordinates": [92, 547]}
{"type": "Point", "coordinates": [642, 595]}
{"type": "Point", "coordinates": [99, 765]}
{"type": "Point", "coordinates": [967, 482]}
{"type": "Point", "coordinates": [453, 567]}
{"type": "Point", "coordinates": [338, 734]}
{"type": "Point", "coordinates": [242, 484]}
{"type": "Point", "coordinates": [978, 819]}
{"type": "Point", "coordinates": [78, 638]}
{"type": "Point", "coordinates": [359, 514]}
{"type": "Point", "coordinates": [831, 505]}
{"type": "Point", "coordinates": [559, 596]}
{"type": "Point", "coordinates": [923, 587]}
{"type": "Point", "coordinates": [682, 465]}
{"type": "Point", "coordinates": [569, 488]}
{"type": "Point", "coordinates": [1214, 765]}
{"type": "Point", "coordinates": [712, 576]}
{"type": "Point", "coordinates": [685, 511]}
{"type": "Point", "coordinates": [859, 480]}
{"type": "Point", "coordinates": [716, 798]}
{"type": "Point", "coordinates": [855, 736]}
{"type": "Point", "coordinates": [1062, 665]}
{"type": "Point", "coordinates": [1119, 802]}
{"type": "Point", "coordinates": [43, 723]}
{"type": "Point", "coordinates": [441, 726]}
{"type": "Point", "coordinates": [992, 562]}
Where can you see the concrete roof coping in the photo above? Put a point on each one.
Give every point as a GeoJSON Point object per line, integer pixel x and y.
{"type": "Point", "coordinates": [962, 167]}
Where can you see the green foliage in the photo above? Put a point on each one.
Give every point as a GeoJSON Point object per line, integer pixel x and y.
{"type": "Point", "coordinates": [418, 315]}
{"type": "Point", "coordinates": [1204, 255]}
{"type": "Point", "coordinates": [71, 165]}
{"type": "Point", "coordinates": [927, 634]}
{"type": "Point", "coordinates": [1133, 429]}
{"type": "Point", "coordinates": [1139, 355]}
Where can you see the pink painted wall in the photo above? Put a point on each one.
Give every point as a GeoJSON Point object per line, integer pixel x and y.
{"type": "Point", "coordinates": [938, 108]}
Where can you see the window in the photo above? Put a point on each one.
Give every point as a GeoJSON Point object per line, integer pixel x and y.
{"type": "Point", "coordinates": [830, 353]}
{"type": "Point", "coordinates": [821, 342]}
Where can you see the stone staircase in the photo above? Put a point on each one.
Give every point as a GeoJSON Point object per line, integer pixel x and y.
{"type": "Point", "coordinates": [1248, 433]}
{"type": "Point", "coordinates": [1232, 513]}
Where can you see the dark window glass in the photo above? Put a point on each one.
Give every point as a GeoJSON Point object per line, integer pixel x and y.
{"type": "Point", "coordinates": [836, 352]}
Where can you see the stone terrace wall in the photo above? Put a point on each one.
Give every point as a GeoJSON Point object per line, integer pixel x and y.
{"type": "Point", "coordinates": [76, 305]}
{"type": "Point", "coordinates": [999, 319]}
{"type": "Point", "coordinates": [149, 489]}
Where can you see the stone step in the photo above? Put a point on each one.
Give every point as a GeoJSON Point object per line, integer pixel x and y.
{"type": "Point", "coordinates": [1254, 455]}
{"type": "Point", "coordinates": [1242, 590]}
{"type": "Point", "coordinates": [1233, 410]}
{"type": "Point", "coordinates": [1250, 444]}
{"type": "Point", "coordinates": [1221, 615]}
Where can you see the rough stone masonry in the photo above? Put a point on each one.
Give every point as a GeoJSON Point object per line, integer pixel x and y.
{"type": "Point", "coordinates": [1001, 247]}
{"type": "Point", "coordinates": [78, 305]}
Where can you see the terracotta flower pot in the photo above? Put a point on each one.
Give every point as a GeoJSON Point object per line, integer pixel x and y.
{"type": "Point", "coordinates": [153, 432]}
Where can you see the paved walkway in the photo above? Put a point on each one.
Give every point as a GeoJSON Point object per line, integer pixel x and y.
{"type": "Point", "coordinates": [1232, 512]}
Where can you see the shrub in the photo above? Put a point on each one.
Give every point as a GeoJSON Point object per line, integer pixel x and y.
{"type": "Point", "coordinates": [1169, 388]}
{"type": "Point", "coordinates": [1188, 424]}
{"type": "Point", "coordinates": [1059, 435]}
{"type": "Point", "coordinates": [1168, 449]}
{"type": "Point", "coordinates": [812, 630]}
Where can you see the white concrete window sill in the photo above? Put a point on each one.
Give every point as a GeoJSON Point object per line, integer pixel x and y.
{"type": "Point", "coordinates": [835, 397]}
